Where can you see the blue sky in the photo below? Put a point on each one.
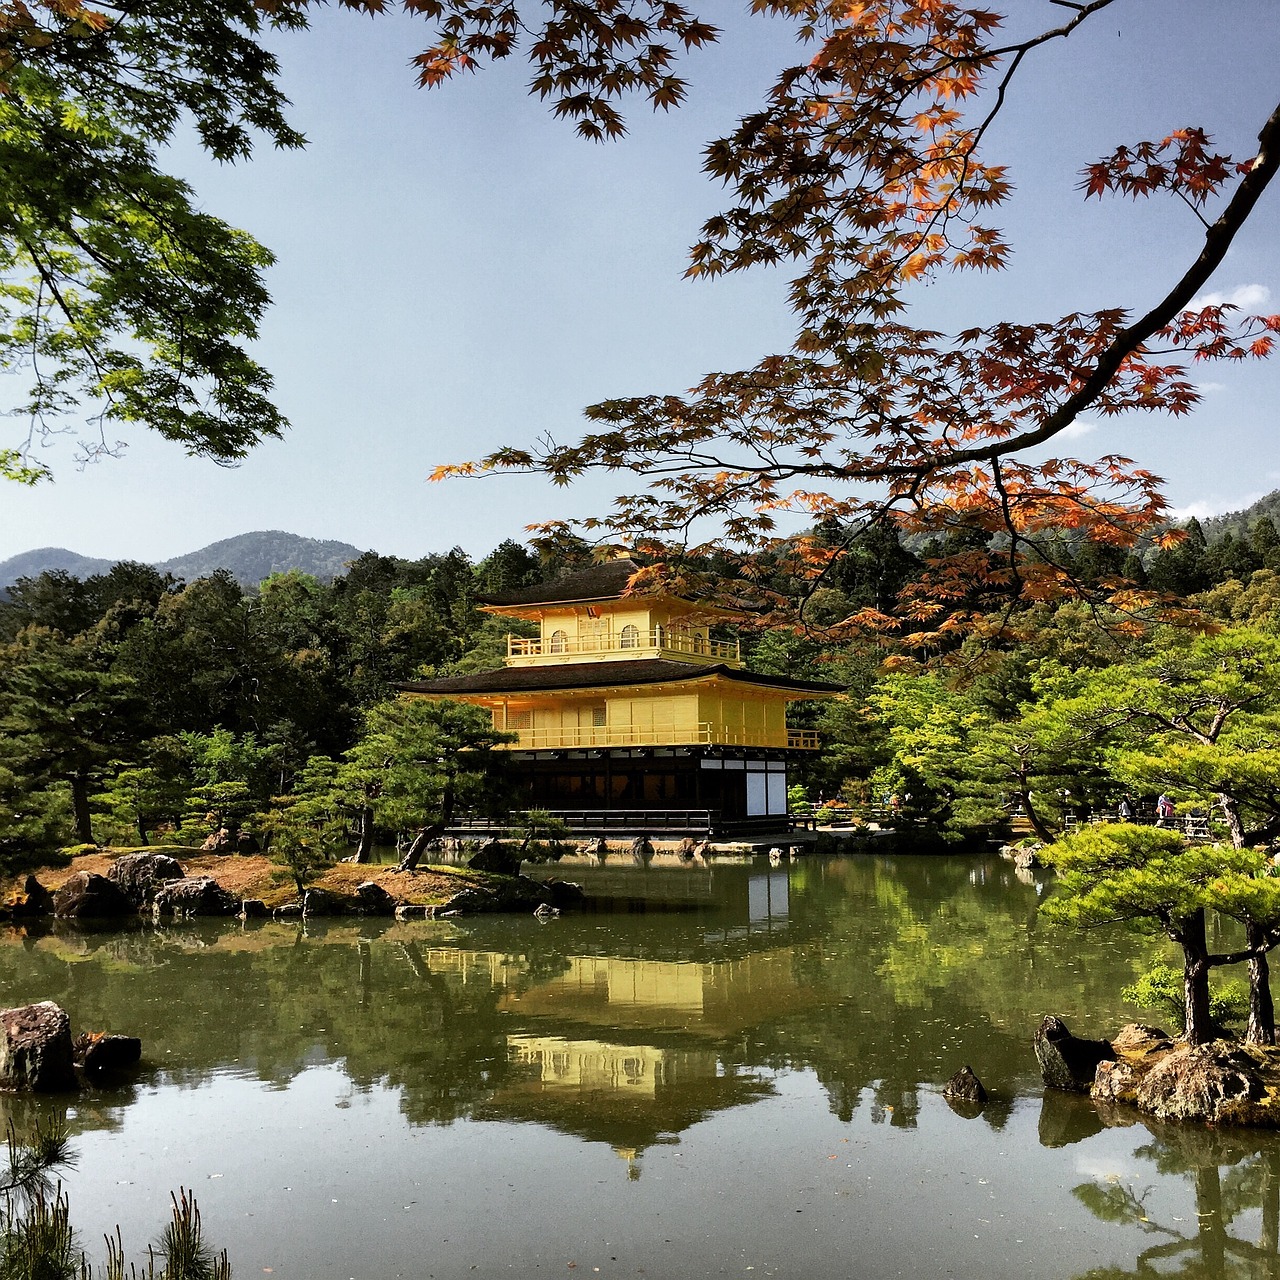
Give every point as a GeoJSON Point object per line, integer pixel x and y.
{"type": "Point", "coordinates": [457, 270]}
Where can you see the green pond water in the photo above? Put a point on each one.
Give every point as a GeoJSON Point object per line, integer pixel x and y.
{"type": "Point", "coordinates": [735, 1071]}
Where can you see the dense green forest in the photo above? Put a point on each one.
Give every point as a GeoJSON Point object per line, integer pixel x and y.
{"type": "Point", "coordinates": [137, 707]}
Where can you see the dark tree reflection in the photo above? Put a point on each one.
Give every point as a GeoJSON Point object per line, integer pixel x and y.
{"type": "Point", "coordinates": [1235, 1180]}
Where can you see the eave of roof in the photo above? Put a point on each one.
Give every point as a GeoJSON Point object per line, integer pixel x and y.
{"type": "Point", "coordinates": [599, 675]}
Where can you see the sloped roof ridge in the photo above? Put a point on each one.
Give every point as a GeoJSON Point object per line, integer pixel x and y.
{"type": "Point", "coordinates": [604, 581]}
{"type": "Point", "coordinates": [595, 675]}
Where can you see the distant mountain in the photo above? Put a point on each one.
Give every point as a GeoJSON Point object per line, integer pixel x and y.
{"type": "Point", "coordinates": [250, 557]}
{"type": "Point", "coordinates": [254, 556]}
{"type": "Point", "coordinates": [29, 564]}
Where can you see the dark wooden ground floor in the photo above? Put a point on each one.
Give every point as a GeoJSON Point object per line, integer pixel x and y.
{"type": "Point", "coordinates": [659, 790]}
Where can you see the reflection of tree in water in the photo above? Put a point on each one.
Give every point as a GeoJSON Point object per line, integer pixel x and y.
{"type": "Point", "coordinates": [438, 1039]}
{"type": "Point", "coordinates": [928, 964]}
{"type": "Point", "coordinates": [276, 1001]}
{"type": "Point", "coordinates": [1232, 1173]}
{"type": "Point", "coordinates": [889, 975]}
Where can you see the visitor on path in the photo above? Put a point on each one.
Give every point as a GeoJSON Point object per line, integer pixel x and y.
{"type": "Point", "coordinates": [1164, 810]}
{"type": "Point", "coordinates": [1124, 810]}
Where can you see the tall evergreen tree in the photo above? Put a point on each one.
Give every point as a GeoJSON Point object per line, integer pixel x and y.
{"type": "Point", "coordinates": [65, 715]}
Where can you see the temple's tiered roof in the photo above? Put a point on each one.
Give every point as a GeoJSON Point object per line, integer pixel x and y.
{"type": "Point", "coordinates": [601, 675]}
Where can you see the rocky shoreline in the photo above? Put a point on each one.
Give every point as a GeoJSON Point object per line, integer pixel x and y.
{"type": "Point", "coordinates": [1224, 1082]}
{"type": "Point", "coordinates": [103, 886]}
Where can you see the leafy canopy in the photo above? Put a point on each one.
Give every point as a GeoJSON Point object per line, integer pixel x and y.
{"type": "Point", "coordinates": [120, 301]}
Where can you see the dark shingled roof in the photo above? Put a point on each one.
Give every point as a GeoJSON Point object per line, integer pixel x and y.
{"type": "Point", "coordinates": [601, 582]}
{"type": "Point", "coordinates": [599, 675]}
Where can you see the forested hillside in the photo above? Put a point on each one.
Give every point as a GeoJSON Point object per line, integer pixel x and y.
{"type": "Point", "coordinates": [1239, 523]}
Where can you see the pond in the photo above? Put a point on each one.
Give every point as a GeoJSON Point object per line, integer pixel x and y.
{"type": "Point", "coordinates": [737, 1070]}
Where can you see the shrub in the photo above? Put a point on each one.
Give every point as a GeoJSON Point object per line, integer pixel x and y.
{"type": "Point", "coordinates": [1161, 989]}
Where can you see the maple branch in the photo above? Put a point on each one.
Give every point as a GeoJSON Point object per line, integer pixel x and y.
{"type": "Point", "coordinates": [1015, 578]}
{"type": "Point", "coordinates": [1019, 52]}
{"type": "Point", "coordinates": [1218, 240]}
{"type": "Point", "coordinates": [1085, 11]}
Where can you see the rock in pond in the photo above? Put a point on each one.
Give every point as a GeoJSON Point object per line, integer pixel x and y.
{"type": "Point", "coordinates": [1116, 1082]}
{"type": "Point", "coordinates": [964, 1086]}
{"type": "Point", "coordinates": [30, 902]}
{"type": "Point", "coordinates": [100, 1054]}
{"type": "Point", "coordinates": [564, 893]}
{"type": "Point", "coordinates": [641, 850]}
{"type": "Point", "coordinates": [320, 902]}
{"type": "Point", "coordinates": [35, 1049]}
{"type": "Point", "coordinates": [415, 911]}
{"type": "Point", "coordinates": [472, 902]}
{"type": "Point", "coordinates": [1137, 1040]}
{"type": "Point", "coordinates": [1066, 1061]}
{"type": "Point", "coordinates": [139, 876]}
{"type": "Point", "coordinates": [199, 896]}
{"type": "Point", "coordinates": [1218, 1083]}
{"type": "Point", "coordinates": [87, 895]}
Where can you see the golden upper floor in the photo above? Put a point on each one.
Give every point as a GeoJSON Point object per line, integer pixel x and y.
{"type": "Point", "coordinates": [588, 617]}
{"type": "Point", "coordinates": [615, 670]}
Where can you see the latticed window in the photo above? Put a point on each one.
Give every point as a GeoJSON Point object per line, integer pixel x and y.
{"type": "Point", "coordinates": [520, 719]}
{"type": "Point", "coordinates": [559, 642]}
{"type": "Point", "coordinates": [598, 717]}
{"type": "Point", "coordinates": [631, 636]}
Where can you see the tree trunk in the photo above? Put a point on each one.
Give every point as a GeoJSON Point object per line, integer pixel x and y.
{"type": "Point", "coordinates": [364, 846]}
{"type": "Point", "coordinates": [1195, 979]}
{"type": "Point", "coordinates": [434, 830]}
{"type": "Point", "coordinates": [142, 830]}
{"type": "Point", "coordinates": [418, 846]}
{"type": "Point", "coordinates": [80, 808]}
{"type": "Point", "coordinates": [1037, 823]}
{"type": "Point", "coordinates": [1262, 1014]}
{"type": "Point", "coordinates": [1231, 812]}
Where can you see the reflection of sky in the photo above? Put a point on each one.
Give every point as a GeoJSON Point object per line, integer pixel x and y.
{"type": "Point", "coordinates": [320, 1180]}
{"type": "Point", "coordinates": [768, 897]}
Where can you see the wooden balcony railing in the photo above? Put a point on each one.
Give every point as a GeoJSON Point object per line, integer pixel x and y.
{"type": "Point", "coordinates": [638, 644]}
{"type": "Point", "coordinates": [626, 822]}
{"type": "Point", "coordinates": [704, 734]}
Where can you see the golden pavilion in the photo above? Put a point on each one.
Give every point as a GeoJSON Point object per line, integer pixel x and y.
{"type": "Point", "coordinates": [629, 716]}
